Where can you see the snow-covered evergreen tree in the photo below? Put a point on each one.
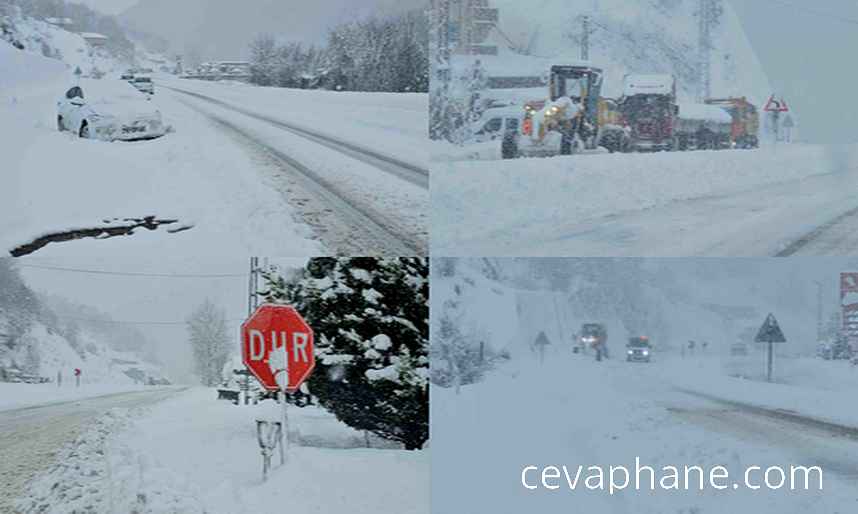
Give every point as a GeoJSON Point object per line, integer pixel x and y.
{"type": "Point", "coordinates": [371, 321]}
{"type": "Point", "coordinates": [263, 60]}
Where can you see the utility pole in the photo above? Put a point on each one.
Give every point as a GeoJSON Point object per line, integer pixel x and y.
{"type": "Point", "coordinates": [818, 311]}
{"type": "Point", "coordinates": [585, 37]}
{"type": "Point", "coordinates": [253, 286]}
{"type": "Point", "coordinates": [704, 49]}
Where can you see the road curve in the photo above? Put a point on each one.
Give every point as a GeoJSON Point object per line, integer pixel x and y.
{"type": "Point", "coordinates": [31, 436]}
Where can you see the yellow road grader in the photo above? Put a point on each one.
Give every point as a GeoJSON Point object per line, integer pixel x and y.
{"type": "Point", "coordinates": [574, 117]}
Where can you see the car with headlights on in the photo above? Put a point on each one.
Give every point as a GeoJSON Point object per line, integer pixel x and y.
{"type": "Point", "coordinates": [109, 110]}
{"type": "Point", "coordinates": [639, 349]}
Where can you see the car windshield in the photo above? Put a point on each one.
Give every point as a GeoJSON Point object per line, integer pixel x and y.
{"type": "Point", "coordinates": [591, 330]}
{"type": "Point", "coordinates": [646, 106]}
{"type": "Point", "coordinates": [140, 79]}
{"type": "Point", "coordinates": [638, 343]}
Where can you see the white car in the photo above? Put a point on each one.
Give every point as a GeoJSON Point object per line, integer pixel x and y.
{"type": "Point", "coordinates": [109, 110]}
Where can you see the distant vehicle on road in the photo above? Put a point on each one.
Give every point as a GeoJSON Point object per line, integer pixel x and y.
{"type": "Point", "coordinates": [109, 111]}
{"type": "Point", "coordinates": [595, 336]}
{"type": "Point", "coordinates": [639, 349]}
{"type": "Point", "coordinates": [128, 76]}
{"type": "Point", "coordinates": [144, 85]}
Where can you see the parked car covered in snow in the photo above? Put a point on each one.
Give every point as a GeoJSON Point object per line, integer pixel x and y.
{"type": "Point", "coordinates": [109, 110]}
{"type": "Point", "coordinates": [144, 84]}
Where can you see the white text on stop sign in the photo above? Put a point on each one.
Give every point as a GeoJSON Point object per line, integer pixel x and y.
{"type": "Point", "coordinates": [258, 344]}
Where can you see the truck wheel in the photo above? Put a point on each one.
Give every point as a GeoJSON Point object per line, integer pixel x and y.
{"type": "Point", "coordinates": [509, 146]}
{"type": "Point", "coordinates": [60, 125]}
{"type": "Point", "coordinates": [84, 130]}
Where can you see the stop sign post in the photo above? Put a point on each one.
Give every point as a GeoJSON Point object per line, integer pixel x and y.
{"type": "Point", "coordinates": [276, 341]}
{"type": "Point", "coordinates": [277, 347]}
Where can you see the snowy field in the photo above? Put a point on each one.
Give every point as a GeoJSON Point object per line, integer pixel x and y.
{"type": "Point", "coordinates": [642, 204]}
{"type": "Point", "coordinates": [227, 187]}
{"type": "Point", "coordinates": [572, 411]}
{"type": "Point", "coordinates": [192, 454]}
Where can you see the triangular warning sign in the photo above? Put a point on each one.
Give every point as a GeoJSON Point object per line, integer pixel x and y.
{"type": "Point", "coordinates": [770, 332]}
{"type": "Point", "coordinates": [776, 105]}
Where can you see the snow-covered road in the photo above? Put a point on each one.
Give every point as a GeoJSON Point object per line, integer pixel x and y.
{"type": "Point", "coordinates": [574, 411]}
{"type": "Point", "coordinates": [772, 220]}
{"type": "Point", "coordinates": [30, 437]}
{"type": "Point", "coordinates": [357, 200]}
{"type": "Point", "coordinates": [833, 447]}
{"type": "Point", "coordinates": [774, 201]}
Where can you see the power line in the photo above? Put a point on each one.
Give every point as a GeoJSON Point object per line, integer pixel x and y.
{"type": "Point", "coordinates": [135, 274]}
{"type": "Point", "coordinates": [118, 322]}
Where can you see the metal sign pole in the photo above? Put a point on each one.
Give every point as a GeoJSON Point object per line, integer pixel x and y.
{"type": "Point", "coordinates": [769, 374]}
{"type": "Point", "coordinates": [284, 441]}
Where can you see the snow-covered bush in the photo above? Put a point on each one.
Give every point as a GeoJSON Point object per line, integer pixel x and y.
{"type": "Point", "coordinates": [371, 321]}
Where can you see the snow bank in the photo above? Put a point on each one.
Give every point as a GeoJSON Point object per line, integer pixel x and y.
{"type": "Point", "coordinates": [194, 454]}
{"type": "Point", "coordinates": [489, 204]}
{"type": "Point", "coordinates": [805, 386]}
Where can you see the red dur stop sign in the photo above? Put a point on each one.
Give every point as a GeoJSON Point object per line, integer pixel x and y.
{"type": "Point", "coordinates": [276, 338]}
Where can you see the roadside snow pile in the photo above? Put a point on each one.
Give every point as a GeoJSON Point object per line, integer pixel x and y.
{"type": "Point", "coordinates": [806, 386]}
{"type": "Point", "coordinates": [194, 454]}
{"type": "Point", "coordinates": [94, 474]}
{"type": "Point", "coordinates": [529, 195]}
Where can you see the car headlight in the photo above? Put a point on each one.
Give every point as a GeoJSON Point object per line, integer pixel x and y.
{"type": "Point", "coordinates": [630, 352]}
{"type": "Point", "coordinates": [646, 352]}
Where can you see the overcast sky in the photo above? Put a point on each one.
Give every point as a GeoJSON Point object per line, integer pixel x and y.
{"type": "Point", "coordinates": [149, 299]}
{"type": "Point", "coordinates": [109, 6]}
{"type": "Point", "coordinates": [808, 51]}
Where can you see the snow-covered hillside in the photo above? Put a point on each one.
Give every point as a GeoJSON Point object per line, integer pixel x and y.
{"type": "Point", "coordinates": [638, 36]}
{"type": "Point", "coordinates": [40, 38]}
{"type": "Point", "coordinates": [44, 339]}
